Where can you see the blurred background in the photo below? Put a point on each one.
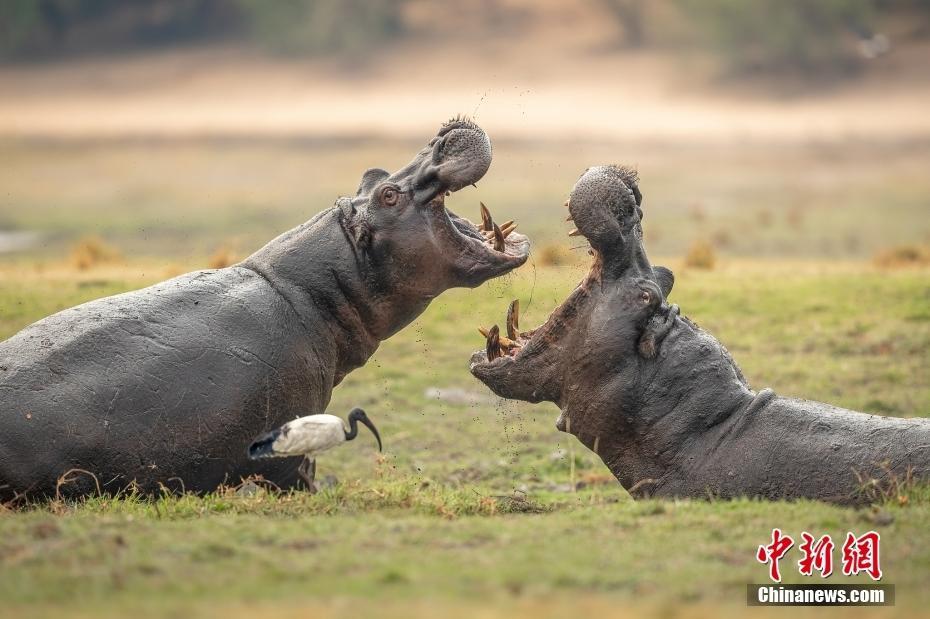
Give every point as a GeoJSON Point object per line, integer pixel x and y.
{"type": "Point", "coordinates": [198, 129]}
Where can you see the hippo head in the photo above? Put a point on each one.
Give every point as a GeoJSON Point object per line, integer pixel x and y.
{"type": "Point", "coordinates": [581, 356]}
{"type": "Point", "coordinates": [415, 244]}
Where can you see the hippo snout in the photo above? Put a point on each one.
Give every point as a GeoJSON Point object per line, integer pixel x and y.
{"type": "Point", "coordinates": [460, 156]}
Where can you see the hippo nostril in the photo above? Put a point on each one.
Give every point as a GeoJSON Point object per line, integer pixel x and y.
{"type": "Point", "coordinates": [438, 147]}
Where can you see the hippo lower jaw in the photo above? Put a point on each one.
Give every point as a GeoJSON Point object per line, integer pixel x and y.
{"type": "Point", "coordinates": [481, 254]}
{"type": "Point", "coordinates": [517, 364]}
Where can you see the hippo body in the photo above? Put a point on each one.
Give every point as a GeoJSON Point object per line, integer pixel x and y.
{"type": "Point", "coordinates": [71, 378]}
{"type": "Point", "coordinates": [663, 403]}
{"type": "Point", "coordinates": [170, 384]}
{"type": "Point", "coordinates": [700, 431]}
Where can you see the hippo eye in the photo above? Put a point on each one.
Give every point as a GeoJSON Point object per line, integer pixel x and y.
{"type": "Point", "coordinates": [389, 196]}
{"type": "Point", "coordinates": [645, 296]}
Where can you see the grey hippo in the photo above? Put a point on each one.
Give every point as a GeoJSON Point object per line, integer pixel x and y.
{"type": "Point", "coordinates": [662, 402]}
{"type": "Point", "coordinates": [170, 384]}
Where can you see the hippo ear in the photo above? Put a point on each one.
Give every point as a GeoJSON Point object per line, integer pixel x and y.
{"type": "Point", "coordinates": [665, 278]}
{"type": "Point", "coordinates": [370, 180]}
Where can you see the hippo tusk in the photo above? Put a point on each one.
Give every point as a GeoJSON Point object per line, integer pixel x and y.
{"type": "Point", "coordinates": [506, 230]}
{"type": "Point", "coordinates": [494, 344]}
{"type": "Point", "coordinates": [487, 223]}
{"type": "Point", "coordinates": [513, 319]}
{"type": "Point", "coordinates": [498, 239]}
{"type": "Point", "coordinates": [574, 232]}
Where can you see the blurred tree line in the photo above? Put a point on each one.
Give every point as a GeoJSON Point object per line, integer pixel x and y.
{"type": "Point", "coordinates": [44, 28]}
{"type": "Point", "coordinates": [808, 37]}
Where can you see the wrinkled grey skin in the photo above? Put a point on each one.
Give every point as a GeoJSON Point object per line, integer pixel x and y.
{"type": "Point", "coordinates": [171, 383]}
{"type": "Point", "coordinates": [663, 403]}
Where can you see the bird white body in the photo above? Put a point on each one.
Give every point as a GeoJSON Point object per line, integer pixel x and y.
{"type": "Point", "coordinates": [309, 436]}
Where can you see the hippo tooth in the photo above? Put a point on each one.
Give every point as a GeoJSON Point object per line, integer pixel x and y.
{"type": "Point", "coordinates": [506, 230]}
{"type": "Point", "coordinates": [498, 239]}
{"type": "Point", "coordinates": [513, 319]}
{"type": "Point", "coordinates": [504, 225]}
{"type": "Point", "coordinates": [494, 345]}
{"type": "Point", "coordinates": [567, 203]}
{"type": "Point", "coordinates": [487, 223]}
{"type": "Point", "coordinates": [505, 342]}
{"type": "Point", "coordinates": [574, 232]}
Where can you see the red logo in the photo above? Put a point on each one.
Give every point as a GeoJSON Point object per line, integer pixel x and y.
{"type": "Point", "coordinates": [817, 555]}
{"type": "Point", "coordinates": [773, 553]}
{"type": "Point", "coordinates": [860, 554]}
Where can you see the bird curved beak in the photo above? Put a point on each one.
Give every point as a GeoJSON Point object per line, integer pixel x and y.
{"type": "Point", "coordinates": [374, 430]}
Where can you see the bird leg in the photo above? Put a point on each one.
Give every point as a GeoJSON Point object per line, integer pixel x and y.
{"type": "Point", "coordinates": [307, 472]}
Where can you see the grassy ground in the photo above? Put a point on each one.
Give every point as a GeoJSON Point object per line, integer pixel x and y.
{"type": "Point", "coordinates": [479, 507]}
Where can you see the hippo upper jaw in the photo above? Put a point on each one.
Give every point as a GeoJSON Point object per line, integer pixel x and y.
{"type": "Point", "coordinates": [459, 155]}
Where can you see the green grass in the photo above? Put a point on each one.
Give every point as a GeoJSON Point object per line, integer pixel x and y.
{"type": "Point", "coordinates": [352, 543]}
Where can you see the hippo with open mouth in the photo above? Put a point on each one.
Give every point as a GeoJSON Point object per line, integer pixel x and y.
{"type": "Point", "coordinates": [662, 402]}
{"type": "Point", "coordinates": [170, 384]}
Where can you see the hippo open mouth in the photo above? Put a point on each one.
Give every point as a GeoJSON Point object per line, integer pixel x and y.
{"type": "Point", "coordinates": [457, 157]}
{"type": "Point", "coordinates": [525, 364]}
{"type": "Point", "coordinates": [530, 365]}
{"type": "Point", "coordinates": [408, 208]}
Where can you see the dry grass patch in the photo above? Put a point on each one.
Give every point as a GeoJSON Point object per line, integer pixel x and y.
{"type": "Point", "coordinates": [903, 256]}
{"type": "Point", "coordinates": [554, 254]}
{"type": "Point", "coordinates": [701, 255]}
{"type": "Point", "coordinates": [222, 258]}
{"type": "Point", "coordinates": [92, 251]}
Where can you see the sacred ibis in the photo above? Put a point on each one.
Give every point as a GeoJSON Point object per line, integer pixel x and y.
{"type": "Point", "coordinates": [309, 436]}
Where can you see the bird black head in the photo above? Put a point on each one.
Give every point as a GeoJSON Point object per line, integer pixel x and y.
{"type": "Point", "coordinates": [358, 415]}
{"type": "Point", "coordinates": [263, 446]}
